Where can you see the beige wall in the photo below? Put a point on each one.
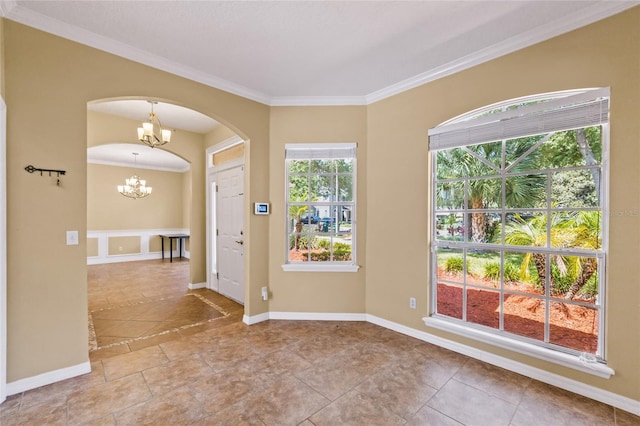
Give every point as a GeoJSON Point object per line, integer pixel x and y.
{"type": "Point", "coordinates": [108, 210]}
{"type": "Point", "coordinates": [53, 79]}
{"type": "Point", "coordinates": [50, 80]}
{"type": "Point", "coordinates": [603, 54]}
{"type": "Point", "coordinates": [307, 291]}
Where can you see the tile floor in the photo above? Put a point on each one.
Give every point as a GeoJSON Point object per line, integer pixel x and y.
{"type": "Point", "coordinates": [284, 373]}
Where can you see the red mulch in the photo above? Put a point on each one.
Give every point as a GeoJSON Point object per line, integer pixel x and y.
{"type": "Point", "coordinates": [571, 326]}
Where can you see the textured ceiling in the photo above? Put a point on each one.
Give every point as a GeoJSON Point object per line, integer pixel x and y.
{"type": "Point", "coordinates": [312, 52]}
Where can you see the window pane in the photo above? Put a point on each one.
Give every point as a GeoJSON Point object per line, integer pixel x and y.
{"type": "Point", "coordinates": [323, 188]}
{"type": "Point", "coordinates": [526, 229]}
{"type": "Point", "coordinates": [450, 227]}
{"type": "Point", "coordinates": [578, 229]}
{"type": "Point", "coordinates": [449, 300]}
{"type": "Point", "coordinates": [524, 316]}
{"type": "Point", "coordinates": [449, 195]}
{"type": "Point", "coordinates": [450, 264]}
{"type": "Point", "coordinates": [341, 250]}
{"type": "Point", "coordinates": [486, 159]}
{"type": "Point", "coordinates": [345, 165]}
{"type": "Point", "coordinates": [517, 155]}
{"type": "Point", "coordinates": [483, 307]}
{"type": "Point", "coordinates": [574, 327]}
{"type": "Point", "coordinates": [342, 220]}
{"type": "Point", "coordinates": [483, 268]}
{"type": "Point", "coordinates": [298, 247]}
{"type": "Point", "coordinates": [345, 188]}
{"type": "Point", "coordinates": [575, 278]}
{"type": "Point", "coordinates": [299, 188]}
{"type": "Point", "coordinates": [456, 162]}
{"type": "Point", "coordinates": [526, 191]}
{"type": "Point", "coordinates": [323, 166]}
{"type": "Point", "coordinates": [521, 274]}
{"type": "Point", "coordinates": [485, 193]}
{"type": "Point", "coordinates": [576, 188]}
{"type": "Point", "coordinates": [482, 227]}
{"type": "Point", "coordinates": [298, 166]}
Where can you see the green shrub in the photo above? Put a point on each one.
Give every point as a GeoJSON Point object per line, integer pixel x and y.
{"type": "Point", "coordinates": [341, 251]}
{"type": "Point", "coordinates": [511, 272]}
{"type": "Point", "coordinates": [492, 270]}
{"type": "Point", "coordinates": [324, 244]}
{"type": "Point", "coordinates": [303, 242]}
{"type": "Point", "coordinates": [454, 264]}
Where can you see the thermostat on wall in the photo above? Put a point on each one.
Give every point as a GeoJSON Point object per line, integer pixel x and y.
{"type": "Point", "coordinates": [260, 208]}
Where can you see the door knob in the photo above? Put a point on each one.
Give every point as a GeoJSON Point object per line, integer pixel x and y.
{"type": "Point", "coordinates": [240, 242]}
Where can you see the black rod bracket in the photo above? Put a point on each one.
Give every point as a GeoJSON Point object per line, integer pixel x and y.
{"type": "Point", "coordinates": [58, 173]}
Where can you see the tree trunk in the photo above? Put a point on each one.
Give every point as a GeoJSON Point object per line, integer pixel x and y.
{"type": "Point", "coordinates": [298, 233]}
{"type": "Point", "coordinates": [589, 158]}
{"type": "Point", "coordinates": [589, 267]}
{"type": "Point", "coordinates": [478, 222]}
{"type": "Point", "coordinates": [540, 260]}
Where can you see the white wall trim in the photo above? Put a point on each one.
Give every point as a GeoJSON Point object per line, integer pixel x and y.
{"type": "Point", "coordinates": [255, 319]}
{"type": "Point", "coordinates": [3, 250]}
{"type": "Point", "coordinates": [144, 235]}
{"type": "Point", "coordinates": [44, 379]}
{"type": "Point", "coordinates": [197, 286]}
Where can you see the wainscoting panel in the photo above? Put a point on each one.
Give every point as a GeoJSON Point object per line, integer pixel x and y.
{"type": "Point", "coordinates": [130, 245]}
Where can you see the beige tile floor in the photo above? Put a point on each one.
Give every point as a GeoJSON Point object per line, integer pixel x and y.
{"type": "Point", "coordinates": [305, 373]}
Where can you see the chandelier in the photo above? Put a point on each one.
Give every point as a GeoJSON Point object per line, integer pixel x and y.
{"type": "Point", "coordinates": [151, 133]}
{"type": "Point", "coordinates": [134, 187]}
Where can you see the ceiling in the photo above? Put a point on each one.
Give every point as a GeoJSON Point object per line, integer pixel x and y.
{"type": "Point", "coordinates": [310, 52]}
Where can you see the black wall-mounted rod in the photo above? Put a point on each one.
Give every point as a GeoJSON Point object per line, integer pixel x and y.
{"type": "Point", "coordinates": [32, 169]}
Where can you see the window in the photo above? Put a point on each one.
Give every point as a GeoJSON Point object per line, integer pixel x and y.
{"type": "Point", "coordinates": [518, 229]}
{"type": "Point", "coordinates": [321, 207]}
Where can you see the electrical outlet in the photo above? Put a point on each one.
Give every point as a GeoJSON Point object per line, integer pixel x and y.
{"type": "Point", "coordinates": [412, 302]}
{"type": "Point", "coordinates": [72, 238]}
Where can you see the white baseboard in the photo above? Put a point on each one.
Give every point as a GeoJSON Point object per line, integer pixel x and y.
{"type": "Point", "coordinates": [197, 286]}
{"type": "Point", "coordinates": [44, 379]}
{"type": "Point", "coordinates": [255, 319]}
{"type": "Point", "coordinates": [619, 401]}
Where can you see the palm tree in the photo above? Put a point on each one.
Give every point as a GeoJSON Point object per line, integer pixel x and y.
{"type": "Point", "coordinates": [575, 230]}
{"type": "Point", "coordinates": [586, 235]}
{"type": "Point", "coordinates": [533, 232]}
{"type": "Point", "coordinates": [483, 165]}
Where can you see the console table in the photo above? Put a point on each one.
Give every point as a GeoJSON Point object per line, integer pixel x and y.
{"type": "Point", "coordinates": [171, 237]}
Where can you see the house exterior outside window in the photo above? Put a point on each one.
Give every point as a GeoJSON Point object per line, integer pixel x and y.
{"type": "Point", "coordinates": [320, 207]}
{"type": "Point", "coordinates": [519, 230]}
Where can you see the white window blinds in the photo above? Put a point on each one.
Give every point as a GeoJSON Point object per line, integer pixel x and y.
{"type": "Point", "coordinates": [311, 151]}
{"type": "Point", "coordinates": [586, 109]}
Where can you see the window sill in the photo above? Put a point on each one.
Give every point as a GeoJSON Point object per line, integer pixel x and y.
{"type": "Point", "coordinates": [309, 267]}
{"type": "Point", "coordinates": [556, 357]}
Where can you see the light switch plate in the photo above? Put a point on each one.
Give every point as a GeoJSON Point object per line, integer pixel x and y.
{"type": "Point", "coordinates": [72, 238]}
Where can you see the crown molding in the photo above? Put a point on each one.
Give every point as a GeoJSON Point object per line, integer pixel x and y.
{"type": "Point", "coordinates": [45, 23]}
{"type": "Point", "coordinates": [601, 10]}
{"type": "Point", "coordinates": [582, 18]}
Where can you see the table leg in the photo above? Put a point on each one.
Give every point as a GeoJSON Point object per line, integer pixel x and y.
{"type": "Point", "coordinates": [162, 239]}
{"type": "Point", "coordinates": [170, 250]}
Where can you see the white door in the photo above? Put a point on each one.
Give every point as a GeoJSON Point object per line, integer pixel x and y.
{"type": "Point", "coordinates": [230, 223]}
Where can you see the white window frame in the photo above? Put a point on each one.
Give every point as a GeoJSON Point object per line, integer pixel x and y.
{"type": "Point", "coordinates": [300, 151]}
{"type": "Point", "coordinates": [475, 128]}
